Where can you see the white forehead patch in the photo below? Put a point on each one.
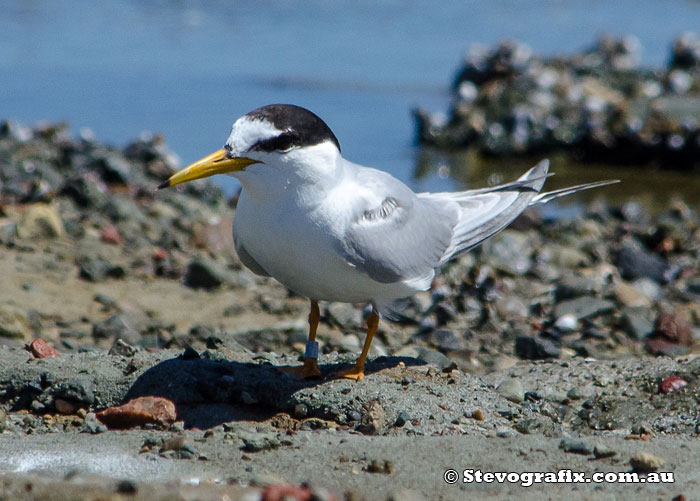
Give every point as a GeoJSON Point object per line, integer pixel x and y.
{"type": "Point", "coordinates": [245, 132]}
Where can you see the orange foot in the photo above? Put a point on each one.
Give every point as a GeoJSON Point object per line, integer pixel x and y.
{"type": "Point", "coordinates": [310, 369]}
{"type": "Point", "coordinates": [356, 373]}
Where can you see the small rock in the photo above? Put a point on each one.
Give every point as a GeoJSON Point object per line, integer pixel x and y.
{"type": "Point", "coordinates": [122, 349]}
{"type": "Point", "coordinates": [583, 307]}
{"type": "Point", "coordinates": [646, 462]}
{"type": "Point", "coordinates": [256, 442]}
{"type": "Point", "coordinates": [110, 235]}
{"type": "Point", "coordinates": [635, 323]}
{"type": "Point", "coordinates": [672, 383]}
{"type": "Point", "coordinates": [574, 446]}
{"type": "Point", "coordinates": [40, 221]}
{"type": "Point", "coordinates": [509, 252]}
{"type": "Point", "coordinates": [98, 269]}
{"type": "Point", "coordinates": [64, 406]}
{"type": "Point", "coordinates": [601, 452]}
{"type": "Point", "coordinates": [674, 328]}
{"type": "Point", "coordinates": [403, 418]}
{"type": "Point", "coordinates": [566, 323]}
{"type": "Point", "coordinates": [661, 346]}
{"type": "Point", "coordinates": [635, 262]}
{"type": "Point", "coordinates": [93, 427]}
{"type": "Point", "coordinates": [204, 273]}
{"type": "Point", "coordinates": [138, 412]}
{"type": "Point", "coordinates": [573, 286]}
{"type": "Point", "coordinates": [374, 420]}
{"type": "Point", "coordinates": [386, 467]}
{"type": "Point", "coordinates": [511, 389]}
{"type": "Point", "coordinates": [118, 326]}
{"type": "Point", "coordinates": [301, 411]}
{"type": "Point", "coordinates": [13, 322]}
{"type": "Point", "coordinates": [628, 295]}
{"type": "Point", "coordinates": [478, 415]}
{"type": "Point", "coordinates": [78, 391]}
{"type": "Point", "coordinates": [40, 349]}
{"type": "Point", "coordinates": [536, 348]}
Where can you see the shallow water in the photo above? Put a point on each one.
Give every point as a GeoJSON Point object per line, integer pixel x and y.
{"type": "Point", "coordinates": [187, 69]}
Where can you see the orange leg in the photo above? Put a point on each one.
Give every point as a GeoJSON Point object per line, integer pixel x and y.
{"type": "Point", "coordinates": [358, 371]}
{"type": "Point", "coordinates": [310, 369]}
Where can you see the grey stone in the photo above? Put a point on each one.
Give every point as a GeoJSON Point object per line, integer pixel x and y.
{"type": "Point", "coordinates": [511, 389]}
{"type": "Point", "coordinates": [636, 262]}
{"type": "Point", "coordinates": [635, 324]}
{"type": "Point", "coordinates": [79, 391]}
{"type": "Point", "coordinates": [583, 307]}
{"type": "Point", "coordinates": [575, 446]}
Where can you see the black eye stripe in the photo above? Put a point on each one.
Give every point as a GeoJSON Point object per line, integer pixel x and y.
{"type": "Point", "coordinates": [282, 142]}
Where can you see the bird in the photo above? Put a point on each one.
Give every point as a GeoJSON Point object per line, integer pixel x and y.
{"type": "Point", "coordinates": [332, 230]}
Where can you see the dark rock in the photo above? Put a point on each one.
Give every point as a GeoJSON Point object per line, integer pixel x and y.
{"type": "Point", "coordinates": [443, 339]}
{"type": "Point", "coordinates": [403, 418]}
{"type": "Point", "coordinates": [98, 269]}
{"type": "Point", "coordinates": [205, 273]}
{"type": "Point", "coordinates": [79, 391]}
{"type": "Point", "coordinates": [635, 262]}
{"type": "Point", "coordinates": [536, 348]}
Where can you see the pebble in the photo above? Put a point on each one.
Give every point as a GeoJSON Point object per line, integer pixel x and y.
{"type": "Point", "coordinates": [646, 462]}
{"type": "Point", "coordinates": [257, 442]}
{"type": "Point", "coordinates": [672, 383]}
{"type": "Point", "coordinates": [40, 349]}
{"type": "Point", "coordinates": [205, 273]}
{"type": "Point", "coordinates": [575, 446]}
{"type": "Point", "coordinates": [628, 295]}
{"type": "Point", "coordinates": [40, 221]}
{"type": "Point", "coordinates": [403, 418]}
{"type": "Point", "coordinates": [583, 307]}
{"type": "Point", "coordinates": [140, 412]}
{"type": "Point", "coordinates": [635, 323]}
{"type": "Point", "coordinates": [374, 418]}
{"type": "Point", "coordinates": [512, 389]}
{"type": "Point", "coordinates": [536, 348]}
{"type": "Point", "coordinates": [602, 451]}
{"type": "Point", "coordinates": [122, 349]}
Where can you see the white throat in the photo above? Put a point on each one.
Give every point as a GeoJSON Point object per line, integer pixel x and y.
{"type": "Point", "coordinates": [306, 172]}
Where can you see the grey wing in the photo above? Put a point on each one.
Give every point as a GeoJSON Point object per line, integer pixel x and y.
{"type": "Point", "coordinates": [401, 238]}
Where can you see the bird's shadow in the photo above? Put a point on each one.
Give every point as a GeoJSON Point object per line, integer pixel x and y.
{"type": "Point", "coordinates": [207, 392]}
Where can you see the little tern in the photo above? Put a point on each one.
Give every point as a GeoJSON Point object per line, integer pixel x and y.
{"type": "Point", "coordinates": [332, 230]}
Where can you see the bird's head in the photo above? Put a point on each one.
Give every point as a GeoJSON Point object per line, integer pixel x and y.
{"type": "Point", "coordinates": [274, 141]}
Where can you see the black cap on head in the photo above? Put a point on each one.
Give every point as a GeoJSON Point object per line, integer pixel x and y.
{"type": "Point", "coordinates": [301, 127]}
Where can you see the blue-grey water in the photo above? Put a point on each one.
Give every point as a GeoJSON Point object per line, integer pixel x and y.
{"type": "Point", "coordinates": [187, 69]}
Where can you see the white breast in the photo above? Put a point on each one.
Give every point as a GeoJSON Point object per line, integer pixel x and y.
{"type": "Point", "coordinates": [296, 243]}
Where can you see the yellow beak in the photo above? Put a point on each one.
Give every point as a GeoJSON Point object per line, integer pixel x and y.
{"type": "Point", "coordinates": [216, 163]}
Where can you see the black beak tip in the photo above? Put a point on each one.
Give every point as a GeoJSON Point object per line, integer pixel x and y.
{"type": "Point", "coordinates": [164, 184]}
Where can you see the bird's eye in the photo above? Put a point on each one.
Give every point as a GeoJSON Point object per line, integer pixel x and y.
{"type": "Point", "coordinates": [284, 142]}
